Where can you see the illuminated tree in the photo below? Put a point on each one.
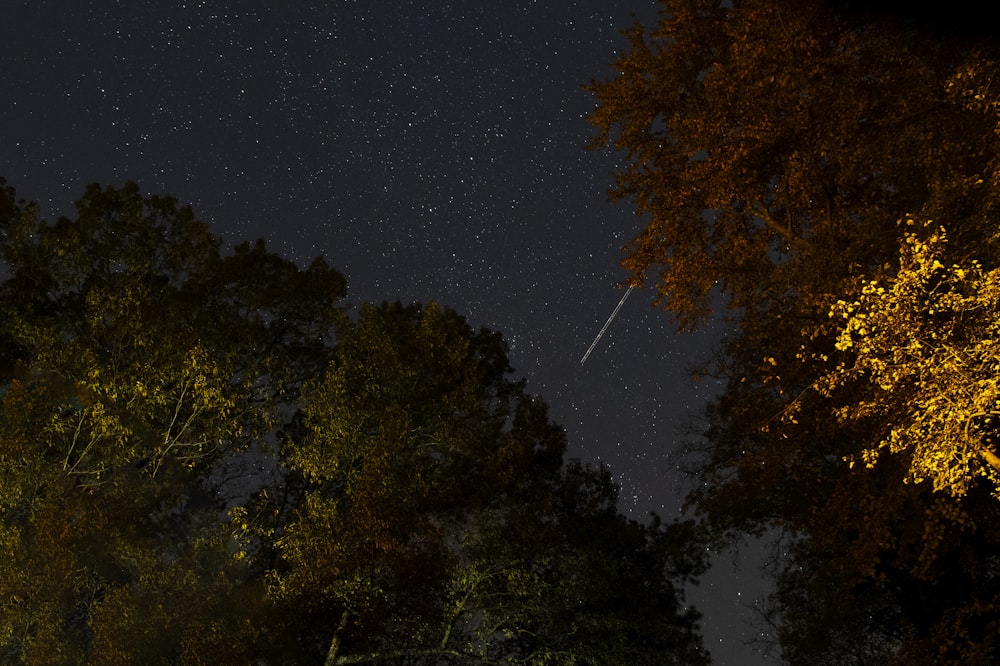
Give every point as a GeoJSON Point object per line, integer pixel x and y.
{"type": "Point", "coordinates": [771, 148]}
{"type": "Point", "coordinates": [926, 341]}
{"type": "Point", "coordinates": [139, 367]}
{"type": "Point", "coordinates": [413, 505]}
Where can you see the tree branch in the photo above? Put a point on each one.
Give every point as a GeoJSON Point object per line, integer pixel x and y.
{"type": "Point", "coordinates": [764, 214]}
{"type": "Point", "coordinates": [991, 458]}
{"type": "Point", "coordinates": [371, 657]}
{"type": "Point", "coordinates": [331, 654]}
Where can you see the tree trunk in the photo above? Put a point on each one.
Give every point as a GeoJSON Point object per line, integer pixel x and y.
{"type": "Point", "coordinates": [331, 654]}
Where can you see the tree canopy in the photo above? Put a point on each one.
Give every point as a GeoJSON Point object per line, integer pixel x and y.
{"type": "Point", "coordinates": [772, 145]}
{"type": "Point", "coordinates": [795, 164]}
{"type": "Point", "coordinates": [440, 522]}
{"type": "Point", "coordinates": [139, 364]}
{"type": "Point", "coordinates": [209, 458]}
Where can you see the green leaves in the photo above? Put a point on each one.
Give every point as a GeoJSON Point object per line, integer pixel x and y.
{"type": "Point", "coordinates": [205, 459]}
{"type": "Point", "coordinates": [440, 520]}
{"type": "Point", "coordinates": [136, 374]}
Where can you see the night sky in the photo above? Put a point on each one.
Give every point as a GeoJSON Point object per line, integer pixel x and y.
{"type": "Point", "coordinates": [428, 150]}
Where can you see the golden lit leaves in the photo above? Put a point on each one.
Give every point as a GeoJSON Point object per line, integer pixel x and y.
{"type": "Point", "coordinates": [973, 84]}
{"type": "Point", "coordinates": [927, 340]}
{"type": "Point", "coordinates": [140, 394]}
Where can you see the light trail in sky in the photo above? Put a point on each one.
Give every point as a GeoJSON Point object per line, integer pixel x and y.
{"type": "Point", "coordinates": [606, 324]}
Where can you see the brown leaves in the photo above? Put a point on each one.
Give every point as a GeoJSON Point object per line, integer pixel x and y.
{"type": "Point", "coordinates": [780, 125]}
{"type": "Point", "coordinates": [771, 148]}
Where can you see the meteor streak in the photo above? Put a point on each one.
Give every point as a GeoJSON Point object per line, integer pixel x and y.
{"type": "Point", "coordinates": [606, 324]}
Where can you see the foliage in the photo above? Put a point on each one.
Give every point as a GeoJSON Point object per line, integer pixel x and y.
{"type": "Point", "coordinates": [205, 459]}
{"type": "Point", "coordinates": [139, 365]}
{"type": "Point", "coordinates": [771, 148]}
{"type": "Point", "coordinates": [772, 145]}
{"type": "Point", "coordinates": [439, 522]}
{"type": "Point", "coordinates": [926, 341]}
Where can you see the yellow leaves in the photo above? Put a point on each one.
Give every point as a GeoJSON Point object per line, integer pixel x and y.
{"type": "Point", "coordinates": [928, 341]}
{"type": "Point", "coordinates": [164, 399]}
{"type": "Point", "coordinates": [767, 374]}
{"type": "Point", "coordinates": [205, 382]}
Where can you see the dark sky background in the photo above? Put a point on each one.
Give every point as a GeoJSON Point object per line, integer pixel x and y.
{"type": "Point", "coordinates": [429, 150]}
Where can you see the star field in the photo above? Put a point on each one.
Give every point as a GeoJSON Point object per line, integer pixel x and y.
{"type": "Point", "coordinates": [429, 151]}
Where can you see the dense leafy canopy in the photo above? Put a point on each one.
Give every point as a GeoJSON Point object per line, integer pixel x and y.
{"type": "Point", "coordinates": [773, 145]}
{"type": "Point", "coordinates": [139, 364]}
{"type": "Point", "coordinates": [439, 521]}
{"type": "Point", "coordinates": [796, 163]}
{"type": "Point", "coordinates": [204, 458]}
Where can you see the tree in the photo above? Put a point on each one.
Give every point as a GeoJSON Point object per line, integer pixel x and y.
{"type": "Point", "coordinates": [917, 370]}
{"type": "Point", "coordinates": [440, 524]}
{"type": "Point", "coordinates": [772, 147]}
{"type": "Point", "coordinates": [414, 505]}
{"type": "Point", "coordinates": [138, 365]}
